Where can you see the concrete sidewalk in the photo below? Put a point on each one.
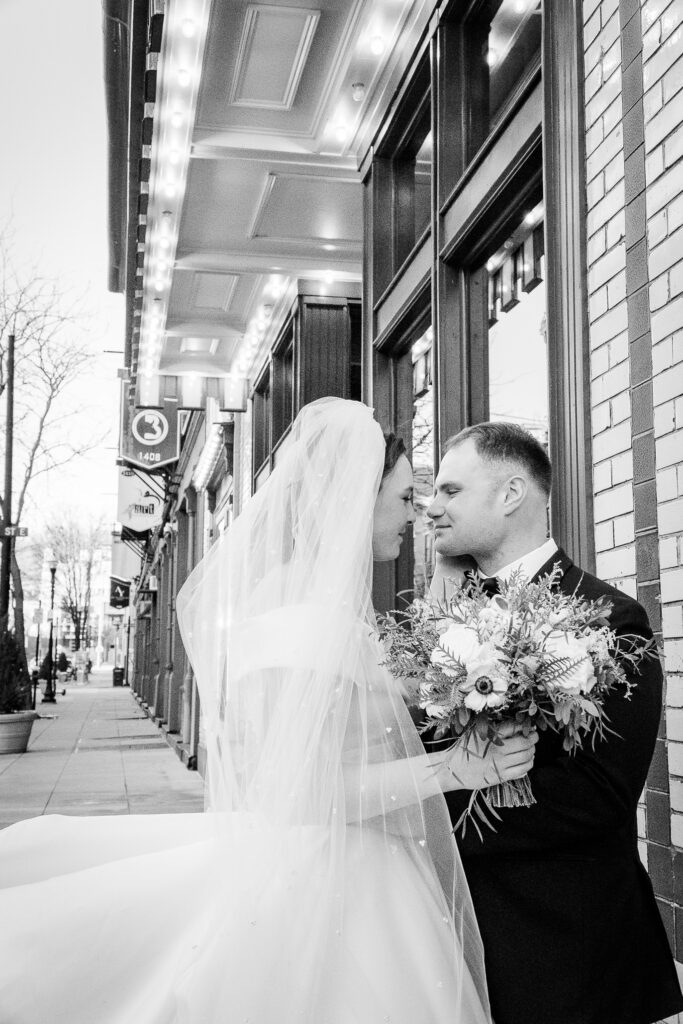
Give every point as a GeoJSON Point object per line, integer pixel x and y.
{"type": "Point", "coordinates": [95, 752]}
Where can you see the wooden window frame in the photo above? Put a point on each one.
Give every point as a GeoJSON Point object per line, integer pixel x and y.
{"type": "Point", "coordinates": [262, 422]}
{"type": "Point", "coordinates": [458, 164]}
{"type": "Point", "coordinates": [393, 404]}
{"type": "Point", "coordinates": [515, 160]}
{"type": "Point", "coordinates": [559, 162]}
{"type": "Point", "coordinates": [394, 191]}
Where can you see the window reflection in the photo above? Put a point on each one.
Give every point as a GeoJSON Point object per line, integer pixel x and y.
{"type": "Point", "coordinates": [423, 459]}
{"type": "Point", "coordinates": [517, 349]}
{"type": "Point", "coordinates": [423, 186]}
{"type": "Point", "coordinates": [504, 46]}
{"type": "Point", "coordinates": [412, 180]}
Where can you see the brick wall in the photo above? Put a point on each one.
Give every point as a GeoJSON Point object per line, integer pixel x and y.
{"type": "Point", "coordinates": [608, 308]}
{"type": "Point", "coordinates": [662, 62]}
{"type": "Point", "coordinates": [634, 149]}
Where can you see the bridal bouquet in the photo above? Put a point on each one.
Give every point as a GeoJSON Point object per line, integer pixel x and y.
{"type": "Point", "coordinates": [530, 655]}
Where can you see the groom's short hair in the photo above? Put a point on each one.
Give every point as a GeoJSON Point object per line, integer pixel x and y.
{"type": "Point", "coordinates": [508, 442]}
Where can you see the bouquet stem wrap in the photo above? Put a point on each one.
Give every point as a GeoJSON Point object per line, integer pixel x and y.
{"type": "Point", "coordinates": [516, 793]}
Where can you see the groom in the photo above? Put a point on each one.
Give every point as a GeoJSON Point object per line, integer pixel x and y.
{"type": "Point", "coordinates": [571, 930]}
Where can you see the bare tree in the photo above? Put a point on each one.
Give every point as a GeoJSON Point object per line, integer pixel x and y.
{"type": "Point", "coordinates": [50, 354]}
{"type": "Point", "coordinates": [74, 545]}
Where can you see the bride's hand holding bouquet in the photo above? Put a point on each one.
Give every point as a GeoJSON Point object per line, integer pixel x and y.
{"type": "Point", "coordinates": [484, 669]}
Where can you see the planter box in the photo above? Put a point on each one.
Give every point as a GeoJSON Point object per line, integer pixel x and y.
{"type": "Point", "coordinates": [15, 730]}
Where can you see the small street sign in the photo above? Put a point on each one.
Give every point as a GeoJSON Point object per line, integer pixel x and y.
{"type": "Point", "coordinates": [13, 531]}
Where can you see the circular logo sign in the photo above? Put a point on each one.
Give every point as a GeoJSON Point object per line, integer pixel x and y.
{"type": "Point", "coordinates": [149, 427]}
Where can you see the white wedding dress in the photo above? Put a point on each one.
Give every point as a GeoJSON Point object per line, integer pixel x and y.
{"type": "Point", "coordinates": [322, 885]}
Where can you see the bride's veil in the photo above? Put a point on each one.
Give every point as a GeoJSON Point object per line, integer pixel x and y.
{"type": "Point", "coordinates": [303, 725]}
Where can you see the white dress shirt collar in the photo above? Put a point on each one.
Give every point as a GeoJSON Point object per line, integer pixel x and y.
{"type": "Point", "coordinates": [530, 563]}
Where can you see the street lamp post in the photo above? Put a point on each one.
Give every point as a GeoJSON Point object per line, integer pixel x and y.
{"type": "Point", "coordinates": [49, 696]}
{"type": "Point", "coordinates": [36, 668]}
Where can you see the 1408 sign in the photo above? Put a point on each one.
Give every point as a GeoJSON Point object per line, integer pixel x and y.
{"type": "Point", "coordinates": [149, 437]}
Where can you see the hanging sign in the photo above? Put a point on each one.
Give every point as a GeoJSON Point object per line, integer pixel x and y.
{"type": "Point", "coordinates": [140, 500]}
{"type": "Point", "coordinates": [149, 437]}
{"type": "Point", "coordinates": [119, 592]}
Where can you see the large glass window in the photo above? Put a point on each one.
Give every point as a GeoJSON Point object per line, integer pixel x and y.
{"type": "Point", "coordinates": [517, 344]}
{"type": "Point", "coordinates": [412, 178]}
{"type": "Point", "coordinates": [355, 352]}
{"type": "Point", "coordinates": [503, 46]}
{"type": "Point", "coordinates": [404, 168]}
{"type": "Point", "coordinates": [262, 425]}
{"type": "Point", "coordinates": [283, 383]}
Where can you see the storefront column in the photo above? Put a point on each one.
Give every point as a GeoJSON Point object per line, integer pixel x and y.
{"type": "Point", "coordinates": [564, 186]}
{"type": "Point", "coordinates": [172, 679]}
{"type": "Point", "coordinates": [158, 662]}
{"type": "Point", "coordinates": [185, 564]}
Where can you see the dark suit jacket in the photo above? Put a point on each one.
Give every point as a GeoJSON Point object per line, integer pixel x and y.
{"type": "Point", "coordinates": [571, 930]}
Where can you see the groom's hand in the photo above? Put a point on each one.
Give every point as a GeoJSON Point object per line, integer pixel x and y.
{"type": "Point", "coordinates": [481, 764]}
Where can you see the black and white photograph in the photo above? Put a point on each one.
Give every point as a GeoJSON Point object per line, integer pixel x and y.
{"type": "Point", "coordinates": [341, 512]}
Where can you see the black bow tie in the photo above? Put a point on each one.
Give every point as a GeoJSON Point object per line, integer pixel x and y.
{"type": "Point", "coordinates": [489, 585]}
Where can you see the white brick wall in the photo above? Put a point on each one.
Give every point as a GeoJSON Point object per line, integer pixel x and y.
{"type": "Point", "coordinates": [662, 103]}
{"type": "Point", "coordinates": [609, 367]}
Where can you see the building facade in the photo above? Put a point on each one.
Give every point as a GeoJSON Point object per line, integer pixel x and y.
{"type": "Point", "coordinates": [450, 211]}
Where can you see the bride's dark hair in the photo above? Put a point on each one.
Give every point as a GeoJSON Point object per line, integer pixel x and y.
{"type": "Point", "coordinates": [394, 448]}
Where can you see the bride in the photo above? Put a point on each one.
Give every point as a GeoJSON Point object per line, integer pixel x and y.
{"type": "Point", "coordinates": [322, 885]}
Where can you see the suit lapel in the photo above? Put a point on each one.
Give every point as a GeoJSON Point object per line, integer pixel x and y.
{"type": "Point", "coordinates": [560, 558]}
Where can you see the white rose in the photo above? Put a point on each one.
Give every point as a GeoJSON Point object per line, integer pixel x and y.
{"type": "Point", "coordinates": [459, 642]}
{"type": "Point", "coordinates": [579, 677]}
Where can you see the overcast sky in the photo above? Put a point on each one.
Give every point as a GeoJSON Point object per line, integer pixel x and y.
{"type": "Point", "coordinates": [53, 190]}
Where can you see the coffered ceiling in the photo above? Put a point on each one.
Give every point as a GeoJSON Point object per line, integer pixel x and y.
{"type": "Point", "coordinates": [260, 117]}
